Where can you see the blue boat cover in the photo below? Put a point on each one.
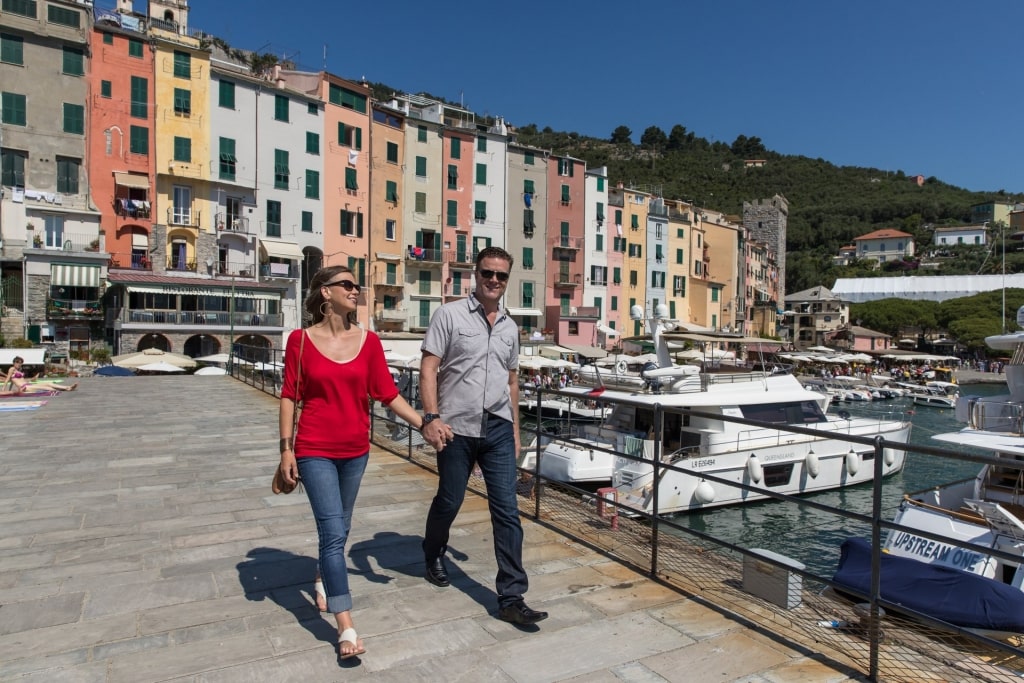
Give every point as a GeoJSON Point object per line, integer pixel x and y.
{"type": "Point", "coordinates": [943, 593]}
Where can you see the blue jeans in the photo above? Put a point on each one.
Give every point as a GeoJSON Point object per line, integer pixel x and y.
{"type": "Point", "coordinates": [495, 453]}
{"type": "Point", "coordinates": [332, 485]}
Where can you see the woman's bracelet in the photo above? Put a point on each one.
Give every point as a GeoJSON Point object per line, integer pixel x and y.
{"type": "Point", "coordinates": [286, 444]}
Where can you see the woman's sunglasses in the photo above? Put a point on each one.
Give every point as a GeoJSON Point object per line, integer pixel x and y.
{"type": "Point", "coordinates": [501, 275]}
{"type": "Point", "coordinates": [348, 285]}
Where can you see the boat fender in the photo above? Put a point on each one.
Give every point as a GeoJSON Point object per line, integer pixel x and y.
{"type": "Point", "coordinates": [889, 455]}
{"type": "Point", "coordinates": [852, 462]}
{"type": "Point", "coordinates": [813, 466]}
{"type": "Point", "coordinates": [754, 469]}
{"type": "Point", "coordinates": [621, 367]}
{"type": "Point", "coordinates": [704, 493]}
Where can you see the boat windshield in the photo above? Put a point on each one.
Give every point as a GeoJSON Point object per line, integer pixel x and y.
{"type": "Point", "coordinates": [795, 412]}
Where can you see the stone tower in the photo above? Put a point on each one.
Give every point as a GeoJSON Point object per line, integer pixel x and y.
{"type": "Point", "coordinates": [765, 219]}
{"type": "Point", "coordinates": [170, 11]}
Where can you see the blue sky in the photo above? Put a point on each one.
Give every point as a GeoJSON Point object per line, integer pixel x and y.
{"type": "Point", "coordinates": [929, 87]}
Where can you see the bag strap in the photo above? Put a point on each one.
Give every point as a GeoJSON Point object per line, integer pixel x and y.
{"type": "Point", "coordinates": [298, 370]}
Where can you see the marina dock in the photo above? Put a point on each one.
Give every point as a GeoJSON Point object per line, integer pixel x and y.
{"type": "Point", "coordinates": [140, 541]}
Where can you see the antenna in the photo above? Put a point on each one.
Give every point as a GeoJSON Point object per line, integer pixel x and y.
{"type": "Point", "coordinates": [325, 56]}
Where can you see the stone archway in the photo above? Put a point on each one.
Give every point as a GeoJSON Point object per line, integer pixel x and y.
{"type": "Point", "coordinates": [254, 348]}
{"type": "Point", "coordinates": [199, 345]}
{"type": "Point", "coordinates": [154, 341]}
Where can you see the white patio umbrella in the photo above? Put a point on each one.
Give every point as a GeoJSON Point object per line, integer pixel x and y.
{"type": "Point", "coordinates": [160, 366]}
{"type": "Point", "coordinates": [210, 371]}
{"type": "Point", "coordinates": [272, 365]}
{"type": "Point", "coordinates": [147, 356]}
{"type": "Point", "coordinates": [214, 358]}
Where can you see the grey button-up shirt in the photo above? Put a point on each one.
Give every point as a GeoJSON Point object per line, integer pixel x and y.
{"type": "Point", "coordinates": [475, 358]}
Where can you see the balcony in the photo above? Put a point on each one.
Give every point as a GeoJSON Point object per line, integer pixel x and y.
{"type": "Point", "coordinates": [566, 242]}
{"type": "Point", "coordinates": [181, 265]}
{"type": "Point", "coordinates": [419, 322]}
{"type": "Point", "coordinates": [235, 268]}
{"type": "Point", "coordinates": [130, 262]}
{"type": "Point", "coordinates": [423, 255]}
{"type": "Point", "coordinates": [391, 315]}
{"type": "Point", "coordinates": [209, 318]}
{"type": "Point", "coordinates": [132, 208]}
{"type": "Point", "coordinates": [387, 280]}
{"type": "Point", "coordinates": [178, 216]}
{"type": "Point", "coordinates": [63, 241]}
{"type": "Point", "coordinates": [283, 271]}
{"type": "Point", "coordinates": [565, 280]}
{"type": "Point", "coordinates": [589, 312]}
{"type": "Point", "coordinates": [229, 223]}
{"type": "Point", "coordinates": [73, 308]}
{"type": "Point", "coordinates": [460, 259]}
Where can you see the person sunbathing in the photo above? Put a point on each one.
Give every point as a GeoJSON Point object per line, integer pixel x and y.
{"type": "Point", "coordinates": [16, 378]}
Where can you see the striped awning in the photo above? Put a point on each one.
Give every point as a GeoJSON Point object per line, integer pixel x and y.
{"type": "Point", "coordinates": [68, 275]}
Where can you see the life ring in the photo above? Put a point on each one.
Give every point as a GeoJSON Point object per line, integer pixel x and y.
{"type": "Point", "coordinates": [621, 367]}
{"type": "Point", "coordinates": [576, 378]}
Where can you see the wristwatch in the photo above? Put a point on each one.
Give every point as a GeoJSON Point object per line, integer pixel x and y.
{"type": "Point", "coordinates": [428, 418]}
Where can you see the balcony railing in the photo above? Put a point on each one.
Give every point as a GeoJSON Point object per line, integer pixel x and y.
{"type": "Point", "coordinates": [285, 271]}
{"type": "Point", "coordinates": [237, 268]}
{"type": "Point", "coordinates": [181, 265]}
{"type": "Point", "coordinates": [422, 254]}
{"type": "Point", "coordinates": [130, 261]}
{"type": "Point", "coordinates": [387, 280]}
{"type": "Point", "coordinates": [564, 280]}
{"type": "Point", "coordinates": [228, 223]}
{"type": "Point", "coordinates": [63, 240]}
{"type": "Point", "coordinates": [566, 242]}
{"type": "Point", "coordinates": [419, 322]}
{"type": "Point", "coordinates": [392, 315]}
{"type": "Point", "coordinates": [185, 217]}
{"type": "Point", "coordinates": [459, 259]}
{"type": "Point", "coordinates": [132, 208]}
{"type": "Point", "coordinates": [202, 318]}
{"type": "Point", "coordinates": [73, 308]}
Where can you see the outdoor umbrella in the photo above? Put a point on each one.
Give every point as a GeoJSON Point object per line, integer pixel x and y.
{"type": "Point", "coordinates": [160, 366]}
{"type": "Point", "coordinates": [210, 371]}
{"type": "Point", "coordinates": [214, 358]}
{"type": "Point", "coordinates": [139, 358]}
{"type": "Point", "coordinates": [113, 371]}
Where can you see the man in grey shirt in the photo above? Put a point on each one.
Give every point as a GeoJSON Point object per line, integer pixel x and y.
{"type": "Point", "coordinates": [469, 382]}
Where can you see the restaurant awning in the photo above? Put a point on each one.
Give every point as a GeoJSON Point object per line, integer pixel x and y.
{"type": "Point", "coordinates": [31, 356]}
{"type": "Point", "coordinates": [68, 275]}
{"type": "Point", "coordinates": [240, 293]}
{"type": "Point", "coordinates": [384, 256]}
{"type": "Point", "coordinates": [136, 182]}
{"type": "Point", "coordinates": [553, 351]}
{"type": "Point", "coordinates": [588, 351]}
{"type": "Point", "coordinates": [529, 312]}
{"type": "Point", "coordinates": [281, 249]}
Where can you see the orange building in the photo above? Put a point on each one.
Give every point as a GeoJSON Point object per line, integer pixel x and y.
{"type": "Point", "coordinates": [566, 190]}
{"type": "Point", "coordinates": [387, 157]}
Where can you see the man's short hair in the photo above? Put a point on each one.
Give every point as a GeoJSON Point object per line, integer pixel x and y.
{"type": "Point", "coordinates": [494, 252]}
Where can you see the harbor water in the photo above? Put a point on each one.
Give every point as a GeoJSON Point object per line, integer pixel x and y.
{"type": "Point", "coordinates": [813, 537]}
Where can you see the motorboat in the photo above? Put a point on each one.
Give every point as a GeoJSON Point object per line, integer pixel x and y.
{"type": "Point", "coordinates": [937, 394]}
{"type": "Point", "coordinates": [554, 407]}
{"type": "Point", "coordinates": [986, 511]}
{"type": "Point", "coordinates": [622, 449]}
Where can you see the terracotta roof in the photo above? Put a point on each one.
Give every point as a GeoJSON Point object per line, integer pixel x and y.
{"type": "Point", "coordinates": [883, 234]}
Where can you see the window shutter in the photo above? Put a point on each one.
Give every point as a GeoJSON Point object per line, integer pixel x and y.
{"type": "Point", "coordinates": [359, 138]}
{"type": "Point", "coordinates": [359, 225]}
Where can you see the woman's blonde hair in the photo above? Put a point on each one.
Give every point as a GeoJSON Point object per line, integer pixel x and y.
{"type": "Point", "coordinates": [313, 305]}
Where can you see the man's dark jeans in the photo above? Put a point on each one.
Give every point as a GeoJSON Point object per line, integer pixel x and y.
{"type": "Point", "coordinates": [495, 453]}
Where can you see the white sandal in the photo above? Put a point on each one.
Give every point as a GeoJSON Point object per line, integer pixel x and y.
{"type": "Point", "coordinates": [318, 589]}
{"type": "Point", "coordinates": [349, 635]}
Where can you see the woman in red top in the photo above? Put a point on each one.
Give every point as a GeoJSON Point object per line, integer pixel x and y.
{"type": "Point", "coordinates": [341, 366]}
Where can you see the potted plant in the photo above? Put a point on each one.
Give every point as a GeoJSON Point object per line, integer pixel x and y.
{"type": "Point", "coordinates": [37, 242]}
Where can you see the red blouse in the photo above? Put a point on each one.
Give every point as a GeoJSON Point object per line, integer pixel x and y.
{"type": "Point", "coordinates": [335, 420]}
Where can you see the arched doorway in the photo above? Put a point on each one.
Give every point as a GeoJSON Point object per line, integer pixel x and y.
{"type": "Point", "coordinates": [200, 345]}
{"type": "Point", "coordinates": [154, 341]}
{"type": "Point", "coordinates": [253, 348]}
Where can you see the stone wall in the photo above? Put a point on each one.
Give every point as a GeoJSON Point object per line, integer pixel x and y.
{"type": "Point", "coordinates": [766, 220]}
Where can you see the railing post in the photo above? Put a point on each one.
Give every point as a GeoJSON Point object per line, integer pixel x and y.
{"type": "Point", "coordinates": [874, 629]}
{"type": "Point", "coordinates": [659, 427]}
{"type": "Point", "coordinates": [536, 460]}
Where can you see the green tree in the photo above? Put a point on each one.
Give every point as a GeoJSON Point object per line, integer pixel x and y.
{"type": "Point", "coordinates": [621, 136]}
{"type": "Point", "coordinates": [654, 137]}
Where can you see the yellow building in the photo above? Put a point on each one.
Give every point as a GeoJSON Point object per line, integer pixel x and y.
{"type": "Point", "coordinates": [680, 217]}
{"type": "Point", "coordinates": [633, 222]}
{"type": "Point", "coordinates": [181, 98]}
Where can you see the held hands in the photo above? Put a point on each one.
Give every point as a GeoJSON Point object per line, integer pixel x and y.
{"type": "Point", "coordinates": [438, 434]}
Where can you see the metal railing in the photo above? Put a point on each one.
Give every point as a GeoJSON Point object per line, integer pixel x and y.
{"type": "Point", "coordinates": [912, 646]}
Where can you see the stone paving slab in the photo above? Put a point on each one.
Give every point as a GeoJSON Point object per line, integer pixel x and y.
{"type": "Point", "coordinates": [139, 541]}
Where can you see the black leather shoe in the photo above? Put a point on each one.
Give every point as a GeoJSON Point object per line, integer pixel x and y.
{"type": "Point", "coordinates": [519, 613]}
{"type": "Point", "coordinates": [437, 572]}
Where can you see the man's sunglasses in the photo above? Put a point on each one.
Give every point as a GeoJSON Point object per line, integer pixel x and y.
{"type": "Point", "coordinates": [348, 285]}
{"type": "Point", "coordinates": [501, 275]}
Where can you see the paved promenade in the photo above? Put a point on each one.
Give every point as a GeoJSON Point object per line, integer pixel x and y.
{"type": "Point", "coordinates": [139, 541]}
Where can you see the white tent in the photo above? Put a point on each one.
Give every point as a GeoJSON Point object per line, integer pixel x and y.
{"type": "Point", "coordinates": [160, 366]}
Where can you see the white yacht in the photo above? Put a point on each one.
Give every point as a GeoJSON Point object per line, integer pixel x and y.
{"type": "Point", "coordinates": [757, 456]}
